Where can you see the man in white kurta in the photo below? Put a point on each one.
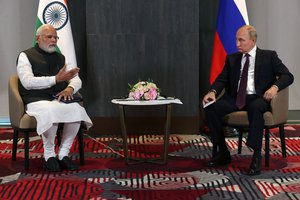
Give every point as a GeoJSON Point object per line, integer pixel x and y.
{"type": "Point", "coordinates": [43, 76]}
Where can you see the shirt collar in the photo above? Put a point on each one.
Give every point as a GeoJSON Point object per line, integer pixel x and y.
{"type": "Point", "coordinates": [252, 52]}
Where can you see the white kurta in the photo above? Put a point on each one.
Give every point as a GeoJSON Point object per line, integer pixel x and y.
{"type": "Point", "coordinates": [49, 112]}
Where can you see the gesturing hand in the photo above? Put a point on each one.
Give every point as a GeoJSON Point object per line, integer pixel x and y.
{"type": "Point", "coordinates": [64, 75]}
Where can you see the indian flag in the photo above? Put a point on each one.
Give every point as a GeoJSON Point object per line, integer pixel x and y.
{"type": "Point", "coordinates": [56, 13]}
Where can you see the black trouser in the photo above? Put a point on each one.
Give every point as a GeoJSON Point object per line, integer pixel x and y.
{"type": "Point", "coordinates": [256, 106]}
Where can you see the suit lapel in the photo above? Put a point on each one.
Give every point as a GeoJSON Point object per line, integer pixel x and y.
{"type": "Point", "coordinates": [257, 67]}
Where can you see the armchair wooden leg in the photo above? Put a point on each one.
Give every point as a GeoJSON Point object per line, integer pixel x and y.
{"type": "Point", "coordinates": [15, 145]}
{"type": "Point", "coordinates": [267, 147]}
{"type": "Point", "coordinates": [80, 146]}
{"type": "Point", "coordinates": [26, 150]}
{"type": "Point", "coordinates": [214, 150]}
{"type": "Point", "coordinates": [240, 141]}
{"type": "Point", "coordinates": [282, 140]}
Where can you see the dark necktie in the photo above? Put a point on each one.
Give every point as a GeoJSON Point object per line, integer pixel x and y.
{"type": "Point", "coordinates": [241, 95]}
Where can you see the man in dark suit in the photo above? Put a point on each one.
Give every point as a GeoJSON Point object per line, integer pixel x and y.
{"type": "Point", "coordinates": [265, 75]}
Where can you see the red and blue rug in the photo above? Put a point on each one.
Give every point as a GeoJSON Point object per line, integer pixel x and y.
{"type": "Point", "coordinates": [106, 176]}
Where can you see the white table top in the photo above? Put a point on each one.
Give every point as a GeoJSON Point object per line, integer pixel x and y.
{"type": "Point", "coordinates": [146, 103]}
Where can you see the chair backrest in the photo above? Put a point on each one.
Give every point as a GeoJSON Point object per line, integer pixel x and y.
{"type": "Point", "coordinates": [280, 106]}
{"type": "Point", "coordinates": [16, 105]}
{"type": "Point", "coordinates": [19, 119]}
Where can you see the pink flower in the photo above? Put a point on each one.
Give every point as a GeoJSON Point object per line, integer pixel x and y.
{"type": "Point", "coordinates": [153, 93]}
{"type": "Point", "coordinates": [144, 90]}
{"type": "Point", "coordinates": [147, 96]}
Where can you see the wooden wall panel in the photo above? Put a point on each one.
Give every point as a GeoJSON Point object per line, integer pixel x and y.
{"type": "Point", "coordinates": [121, 41]}
{"type": "Point", "coordinates": [128, 40]}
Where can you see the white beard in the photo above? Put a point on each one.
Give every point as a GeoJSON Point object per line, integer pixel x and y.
{"type": "Point", "coordinates": [48, 49]}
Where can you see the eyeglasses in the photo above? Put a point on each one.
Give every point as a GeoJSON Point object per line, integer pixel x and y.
{"type": "Point", "coordinates": [51, 36]}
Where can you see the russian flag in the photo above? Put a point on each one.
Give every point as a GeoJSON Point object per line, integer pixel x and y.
{"type": "Point", "coordinates": [232, 15]}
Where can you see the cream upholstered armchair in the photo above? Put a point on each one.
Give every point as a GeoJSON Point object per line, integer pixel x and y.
{"type": "Point", "coordinates": [22, 122]}
{"type": "Point", "coordinates": [277, 117]}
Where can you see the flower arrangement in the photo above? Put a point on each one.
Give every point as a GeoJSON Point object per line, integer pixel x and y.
{"type": "Point", "coordinates": [144, 90]}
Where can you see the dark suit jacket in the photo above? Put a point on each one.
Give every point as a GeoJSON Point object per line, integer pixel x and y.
{"type": "Point", "coordinates": [269, 70]}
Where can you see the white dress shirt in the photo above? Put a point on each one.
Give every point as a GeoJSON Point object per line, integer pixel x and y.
{"type": "Point", "coordinates": [250, 81]}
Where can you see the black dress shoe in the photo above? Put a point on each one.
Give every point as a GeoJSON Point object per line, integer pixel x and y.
{"type": "Point", "coordinates": [255, 167]}
{"type": "Point", "coordinates": [220, 159]}
{"type": "Point", "coordinates": [52, 165]}
{"type": "Point", "coordinates": [67, 164]}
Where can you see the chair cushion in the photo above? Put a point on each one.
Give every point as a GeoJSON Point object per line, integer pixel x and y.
{"type": "Point", "coordinates": [240, 118]}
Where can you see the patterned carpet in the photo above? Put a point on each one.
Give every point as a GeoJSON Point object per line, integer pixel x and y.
{"type": "Point", "coordinates": [106, 176]}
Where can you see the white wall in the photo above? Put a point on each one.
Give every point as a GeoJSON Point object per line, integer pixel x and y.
{"type": "Point", "coordinates": [17, 19]}
{"type": "Point", "coordinates": [278, 28]}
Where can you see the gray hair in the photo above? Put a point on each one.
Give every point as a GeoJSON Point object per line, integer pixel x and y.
{"type": "Point", "coordinates": [251, 31]}
{"type": "Point", "coordinates": [42, 28]}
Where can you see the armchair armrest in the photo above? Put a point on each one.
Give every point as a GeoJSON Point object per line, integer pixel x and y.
{"type": "Point", "coordinates": [79, 95]}
{"type": "Point", "coordinates": [280, 106]}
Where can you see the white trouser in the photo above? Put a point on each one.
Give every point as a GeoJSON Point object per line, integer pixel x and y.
{"type": "Point", "coordinates": [70, 131]}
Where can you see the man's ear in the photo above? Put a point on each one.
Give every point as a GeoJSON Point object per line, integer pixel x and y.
{"type": "Point", "coordinates": [37, 37]}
